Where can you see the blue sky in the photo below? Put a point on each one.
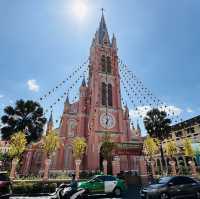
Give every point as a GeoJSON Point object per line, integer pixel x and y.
{"type": "Point", "coordinates": [42, 41]}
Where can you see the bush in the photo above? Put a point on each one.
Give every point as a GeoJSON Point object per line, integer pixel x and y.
{"type": "Point", "coordinates": [33, 188]}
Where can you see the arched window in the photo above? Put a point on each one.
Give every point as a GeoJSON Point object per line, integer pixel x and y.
{"type": "Point", "coordinates": [108, 63]}
{"type": "Point", "coordinates": [110, 100]}
{"type": "Point", "coordinates": [103, 64]}
{"type": "Point", "coordinates": [104, 94]}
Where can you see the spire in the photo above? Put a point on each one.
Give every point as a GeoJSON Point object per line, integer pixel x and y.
{"type": "Point", "coordinates": [67, 100]}
{"type": "Point", "coordinates": [50, 124]}
{"type": "Point", "coordinates": [66, 105]}
{"type": "Point", "coordinates": [114, 42]}
{"type": "Point", "coordinates": [51, 118]}
{"type": "Point", "coordinates": [103, 32]}
{"type": "Point", "coordinates": [83, 82]}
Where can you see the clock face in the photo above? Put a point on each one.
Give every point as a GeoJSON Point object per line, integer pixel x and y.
{"type": "Point", "coordinates": [107, 121]}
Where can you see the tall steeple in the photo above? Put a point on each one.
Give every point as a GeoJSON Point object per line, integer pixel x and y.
{"type": "Point", "coordinates": [102, 33]}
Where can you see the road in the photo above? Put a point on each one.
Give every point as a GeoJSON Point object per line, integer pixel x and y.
{"type": "Point", "coordinates": [133, 193]}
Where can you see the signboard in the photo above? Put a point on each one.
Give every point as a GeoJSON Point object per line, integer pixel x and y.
{"type": "Point", "coordinates": [129, 149]}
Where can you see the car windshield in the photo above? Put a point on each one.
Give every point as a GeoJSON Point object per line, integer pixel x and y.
{"type": "Point", "coordinates": [164, 180]}
{"type": "Point", "coordinates": [91, 178]}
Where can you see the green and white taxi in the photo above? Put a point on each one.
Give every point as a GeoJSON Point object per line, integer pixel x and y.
{"type": "Point", "coordinates": [104, 184]}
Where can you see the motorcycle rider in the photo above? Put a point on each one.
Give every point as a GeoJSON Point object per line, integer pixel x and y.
{"type": "Point", "coordinates": [73, 184]}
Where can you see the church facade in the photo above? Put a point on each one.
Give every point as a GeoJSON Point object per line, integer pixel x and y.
{"type": "Point", "coordinates": [98, 111]}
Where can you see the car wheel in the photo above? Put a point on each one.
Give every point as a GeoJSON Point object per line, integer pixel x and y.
{"type": "Point", "coordinates": [117, 192]}
{"type": "Point", "coordinates": [198, 195]}
{"type": "Point", "coordinates": [164, 196]}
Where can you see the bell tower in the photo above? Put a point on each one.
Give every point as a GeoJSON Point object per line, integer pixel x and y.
{"type": "Point", "coordinates": [104, 82]}
{"type": "Point", "coordinates": [106, 113]}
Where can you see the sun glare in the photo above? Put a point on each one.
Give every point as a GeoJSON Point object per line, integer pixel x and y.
{"type": "Point", "coordinates": [79, 9]}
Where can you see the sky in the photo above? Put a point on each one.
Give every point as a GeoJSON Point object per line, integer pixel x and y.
{"type": "Point", "coordinates": [41, 42]}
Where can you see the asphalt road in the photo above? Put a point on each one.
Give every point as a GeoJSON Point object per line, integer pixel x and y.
{"type": "Point", "coordinates": [133, 193]}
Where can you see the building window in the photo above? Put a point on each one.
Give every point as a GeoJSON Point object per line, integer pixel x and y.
{"type": "Point", "coordinates": [103, 64]}
{"type": "Point", "coordinates": [109, 70]}
{"type": "Point", "coordinates": [107, 94]}
{"type": "Point", "coordinates": [110, 100]}
{"type": "Point", "coordinates": [104, 94]}
{"type": "Point", "coordinates": [178, 134]}
{"type": "Point", "coordinates": [190, 130]}
{"type": "Point", "coordinates": [106, 65]}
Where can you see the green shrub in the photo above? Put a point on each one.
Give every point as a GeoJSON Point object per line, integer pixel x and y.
{"type": "Point", "coordinates": [31, 188]}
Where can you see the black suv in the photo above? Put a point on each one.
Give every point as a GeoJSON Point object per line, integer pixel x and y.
{"type": "Point", "coordinates": [172, 187]}
{"type": "Point", "coordinates": [5, 186]}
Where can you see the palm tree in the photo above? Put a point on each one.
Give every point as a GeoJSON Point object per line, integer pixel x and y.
{"type": "Point", "coordinates": [16, 148]}
{"type": "Point", "coordinates": [158, 126]}
{"type": "Point", "coordinates": [26, 116]}
{"type": "Point", "coordinates": [79, 147]}
{"type": "Point", "coordinates": [50, 143]}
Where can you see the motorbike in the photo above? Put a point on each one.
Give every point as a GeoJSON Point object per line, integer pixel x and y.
{"type": "Point", "coordinates": [64, 191]}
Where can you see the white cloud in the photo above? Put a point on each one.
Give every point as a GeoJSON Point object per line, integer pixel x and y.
{"type": "Point", "coordinates": [1, 96]}
{"type": "Point", "coordinates": [11, 101]}
{"type": "Point", "coordinates": [189, 110]}
{"type": "Point", "coordinates": [142, 111]}
{"type": "Point", "coordinates": [32, 85]}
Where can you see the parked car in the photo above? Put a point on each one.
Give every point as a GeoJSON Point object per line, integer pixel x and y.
{"type": "Point", "coordinates": [172, 187]}
{"type": "Point", "coordinates": [104, 184]}
{"type": "Point", "coordinates": [5, 186]}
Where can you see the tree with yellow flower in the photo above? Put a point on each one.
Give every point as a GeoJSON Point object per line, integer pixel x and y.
{"type": "Point", "coordinates": [79, 147]}
{"type": "Point", "coordinates": [50, 143]}
{"type": "Point", "coordinates": [16, 147]}
{"type": "Point", "coordinates": [190, 153]}
{"type": "Point", "coordinates": [170, 150]}
{"type": "Point", "coordinates": [151, 148]}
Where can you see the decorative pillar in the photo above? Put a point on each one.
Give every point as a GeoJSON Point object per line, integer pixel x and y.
{"type": "Point", "coordinates": [173, 167]}
{"type": "Point", "coordinates": [29, 156]}
{"type": "Point", "coordinates": [47, 163]}
{"type": "Point", "coordinates": [143, 170]}
{"type": "Point", "coordinates": [153, 168]}
{"type": "Point", "coordinates": [116, 165]}
{"type": "Point", "coordinates": [105, 167]}
{"type": "Point", "coordinates": [185, 162]}
{"type": "Point", "coordinates": [13, 169]}
{"type": "Point", "coordinates": [78, 163]}
{"type": "Point", "coordinates": [193, 168]}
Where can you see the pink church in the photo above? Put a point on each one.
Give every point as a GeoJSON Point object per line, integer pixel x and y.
{"type": "Point", "coordinates": [98, 111]}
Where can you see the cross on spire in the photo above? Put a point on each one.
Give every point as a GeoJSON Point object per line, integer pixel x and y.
{"type": "Point", "coordinates": [102, 10]}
